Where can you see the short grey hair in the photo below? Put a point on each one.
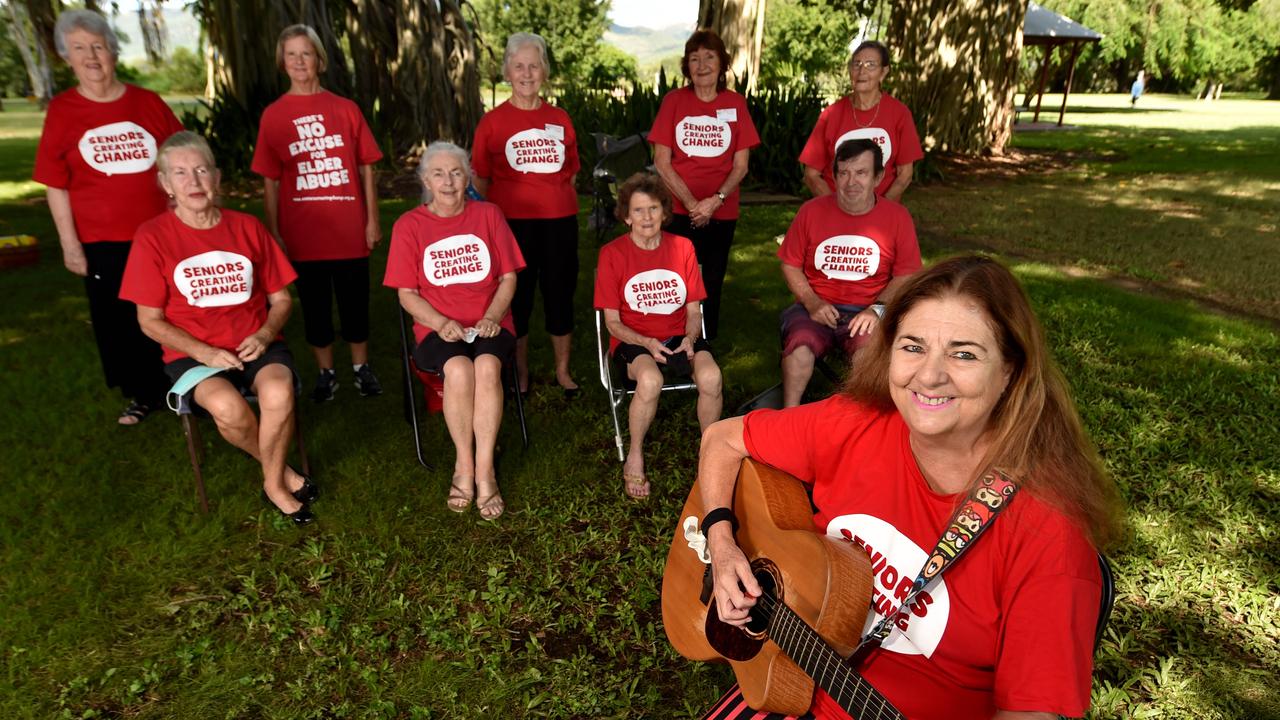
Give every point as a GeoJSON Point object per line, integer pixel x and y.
{"type": "Point", "coordinates": [519, 40]}
{"type": "Point", "coordinates": [434, 149]}
{"type": "Point", "coordinates": [184, 140]}
{"type": "Point", "coordinates": [307, 32]}
{"type": "Point", "coordinates": [88, 21]}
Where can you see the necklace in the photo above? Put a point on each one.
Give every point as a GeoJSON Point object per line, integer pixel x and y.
{"type": "Point", "coordinates": [873, 116]}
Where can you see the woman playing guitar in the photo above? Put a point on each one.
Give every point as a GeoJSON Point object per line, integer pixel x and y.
{"type": "Point", "coordinates": [957, 382]}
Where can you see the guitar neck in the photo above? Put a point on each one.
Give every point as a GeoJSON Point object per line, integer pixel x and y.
{"type": "Point", "coordinates": [807, 649]}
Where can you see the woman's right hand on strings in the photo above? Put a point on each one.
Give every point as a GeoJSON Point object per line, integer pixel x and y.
{"type": "Point", "coordinates": [736, 589]}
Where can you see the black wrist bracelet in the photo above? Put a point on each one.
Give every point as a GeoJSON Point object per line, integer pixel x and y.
{"type": "Point", "coordinates": [715, 516]}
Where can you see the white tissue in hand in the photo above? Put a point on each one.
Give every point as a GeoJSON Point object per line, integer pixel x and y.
{"type": "Point", "coordinates": [470, 334]}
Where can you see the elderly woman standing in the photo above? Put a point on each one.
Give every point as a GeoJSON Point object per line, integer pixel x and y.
{"type": "Point", "coordinates": [315, 154]}
{"type": "Point", "coordinates": [957, 384]}
{"type": "Point", "coordinates": [98, 147]}
{"type": "Point", "coordinates": [702, 140]}
{"type": "Point", "coordinates": [867, 112]}
{"type": "Point", "coordinates": [525, 158]}
{"type": "Point", "coordinates": [212, 287]}
{"type": "Point", "coordinates": [454, 263]}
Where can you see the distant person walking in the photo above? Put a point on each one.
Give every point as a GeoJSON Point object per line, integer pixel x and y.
{"type": "Point", "coordinates": [1139, 84]}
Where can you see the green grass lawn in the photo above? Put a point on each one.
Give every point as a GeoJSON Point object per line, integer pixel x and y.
{"type": "Point", "coordinates": [120, 600]}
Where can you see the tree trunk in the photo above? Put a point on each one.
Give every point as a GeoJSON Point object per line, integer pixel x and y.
{"type": "Point", "coordinates": [39, 73]}
{"type": "Point", "coordinates": [155, 36]}
{"type": "Point", "coordinates": [958, 69]}
{"type": "Point", "coordinates": [1274, 93]}
{"type": "Point", "coordinates": [740, 23]}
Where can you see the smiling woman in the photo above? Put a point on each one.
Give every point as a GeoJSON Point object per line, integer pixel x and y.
{"type": "Point", "coordinates": [956, 383]}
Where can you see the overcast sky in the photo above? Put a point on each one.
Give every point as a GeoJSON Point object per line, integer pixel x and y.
{"type": "Point", "coordinates": [654, 13]}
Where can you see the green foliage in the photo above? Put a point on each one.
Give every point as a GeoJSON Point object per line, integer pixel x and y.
{"type": "Point", "coordinates": [230, 129]}
{"type": "Point", "coordinates": [183, 72]}
{"type": "Point", "coordinates": [807, 41]}
{"type": "Point", "coordinates": [1181, 43]}
{"type": "Point", "coordinates": [572, 29]}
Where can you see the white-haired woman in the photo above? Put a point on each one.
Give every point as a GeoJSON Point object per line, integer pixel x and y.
{"type": "Point", "coordinates": [454, 263]}
{"type": "Point", "coordinates": [212, 287]}
{"type": "Point", "coordinates": [98, 146]}
{"type": "Point", "coordinates": [526, 157]}
{"type": "Point", "coordinates": [315, 154]}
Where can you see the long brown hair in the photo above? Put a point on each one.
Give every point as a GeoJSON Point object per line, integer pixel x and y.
{"type": "Point", "coordinates": [1035, 433]}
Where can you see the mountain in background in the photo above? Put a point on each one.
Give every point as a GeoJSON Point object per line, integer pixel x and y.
{"type": "Point", "coordinates": [647, 45]}
{"type": "Point", "coordinates": [183, 31]}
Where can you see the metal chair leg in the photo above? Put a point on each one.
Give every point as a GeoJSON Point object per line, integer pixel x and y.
{"type": "Point", "coordinates": [193, 450]}
{"type": "Point", "coordinates": [515, 390]}
{"type": "Point", "coordinates": [302, 446]}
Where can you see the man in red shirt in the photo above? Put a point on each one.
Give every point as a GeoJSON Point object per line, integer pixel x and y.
{"type": "Point", "coordinates": [843, 257]}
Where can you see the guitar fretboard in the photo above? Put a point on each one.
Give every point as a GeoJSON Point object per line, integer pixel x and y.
{"type": "Point", "coordinates": [807, 649]}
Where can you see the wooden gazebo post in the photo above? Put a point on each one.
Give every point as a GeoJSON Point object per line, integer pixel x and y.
{"type": "Point", "coordinates": [1071, 74]}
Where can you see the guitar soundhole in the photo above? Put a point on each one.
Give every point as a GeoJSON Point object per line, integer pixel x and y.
{"type": "Point", "coordinates": [743, 643]}
{"type": "Point", "coordinates": [758, 624]}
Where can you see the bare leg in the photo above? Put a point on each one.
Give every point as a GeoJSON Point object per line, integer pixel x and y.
{"type": "Point", "coordinates": [560, 344]}
{"type": "Point", "coordinates": [240, 427]}
{"type": "Point", "coordinates": [459, 411]}
{"type": "Point", "coordinates": [359, 353]}
{"type": "Point", "coordinates": [274, 387]}
{"type": "Point", "coordinates": [522, 363]}
{"type": "Point", "coordinates": [324, 357]}
{"type": "Point", "coordinates": [706, 374]}
{"type": "Point", "coordinates": [797, 368]}
{"type": "Point", "coordinates": [644, 405]}
{"type": "Point", "coordinates": [487, 418]}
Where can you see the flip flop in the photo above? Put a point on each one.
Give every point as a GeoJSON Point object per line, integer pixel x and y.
{"type": "Point", "coordinates": [491, 506]}
{"type": "Point", "coordinates": [460, 497]}
{"type": "Point", "coordinates": [636, 486]}
{"type": "Point", "coordinates": [135, 413]}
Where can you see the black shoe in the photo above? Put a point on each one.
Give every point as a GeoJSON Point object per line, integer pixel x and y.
{"type": "Point", "coordinates": [301, 516]}
{"type": "Point", "coordinates": [308, 492]}
{"type": "Point", "coordinates": [367, 383]}
{"type": "Point", "coordinates": [326, 386]}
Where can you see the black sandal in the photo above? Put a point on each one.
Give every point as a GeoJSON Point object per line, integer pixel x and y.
{"type": "Point", "coordinates": [137, 412]}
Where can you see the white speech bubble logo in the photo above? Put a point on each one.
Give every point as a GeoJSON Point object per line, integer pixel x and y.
{"type": "Point", "coordinates": [879, 135]}
{"type": "Point", "coordinates": [894, 561]}
{"type": "Point", "coordinates": [703, 136]}
{"type": "Point", "coordinates": [847, 257]}
{"type": "Point", "coordinates": [215, 279]}
{"type": "Point", "coordinates": [655, 292]}
{"type": "Point", "coordinates": [121, 148]}
{"type": "Point", "coordinates": [535, 151]}
{"type": "Point", "coordinates": [457, 259]}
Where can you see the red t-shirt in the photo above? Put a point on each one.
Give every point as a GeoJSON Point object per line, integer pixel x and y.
{"type": "Point", "coordinates": [703, 137]}
{"type": "Point", "coordinates": [212, 283]}
{"type": "Point", "coordinates": [104, 156]}
{"type": "Point", "coordinates": [849, 259]}
{"type": "Point", "coordinates": [649, 288]}
{"type": "Point", "coordinates": [314, 146]}
{"type": "Point", "coordinates": [529, 158]}
{"type": "Point", "coordinates": [455, 263]}
{"type": "Point", "coordinates": [889, 124]}
{"type": "Point", "coordinates": [1010, 626]}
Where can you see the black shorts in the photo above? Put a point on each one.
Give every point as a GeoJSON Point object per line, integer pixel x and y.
{"type": "Point", "coordinates": [321, 281]}
{"type": "Point", "coordinates": [277, 353]}
{"type": "Point", "coordinates": [626, 353]}
{"type": "Point", "coordinates": [433, 352]}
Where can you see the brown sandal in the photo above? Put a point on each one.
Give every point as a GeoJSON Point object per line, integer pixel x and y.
{"type": "Point", "coordinates": [636, 486]}
{"type": "Point", "coordinates": [460, 497]}
{"type": "Point", "coordinates": [491, 506]}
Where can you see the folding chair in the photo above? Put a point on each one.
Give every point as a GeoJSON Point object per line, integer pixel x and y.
{"type": "Point", "coordinates": [190, 413]}
{"type": "Point", "coordinates": [616, 160]}
{"type": "Point", "coordinates": [617, 392]}
{"type": "Point", "coordinates": [410, 371]}
{"type": "Point", "coordinates": [1107, 602]}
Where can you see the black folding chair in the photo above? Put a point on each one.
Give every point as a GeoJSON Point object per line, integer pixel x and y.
{"type": "Point", "coordinates": [409, 371]}
{"type": "Point", "coordinates": [616, 160]}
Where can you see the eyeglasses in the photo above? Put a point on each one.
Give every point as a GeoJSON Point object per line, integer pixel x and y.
{"type": "Point", "coordinates": [868, 64]}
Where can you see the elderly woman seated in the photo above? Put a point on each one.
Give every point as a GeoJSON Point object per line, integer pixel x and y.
{"type": "Point", "coordinates": [212, 287]}
{"type": "Point", "coordinates": [649, 287]}
{"type": "Point", "coordinates": [454, 264]}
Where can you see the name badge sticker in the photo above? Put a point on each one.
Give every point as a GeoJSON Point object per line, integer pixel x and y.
{"type": "Point", "coordinates": [555, 131]}
{"type": "Point", "coordinates": [727, 114]}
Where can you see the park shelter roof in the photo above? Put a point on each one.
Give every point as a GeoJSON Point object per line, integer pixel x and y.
{"type": "Point", "coordinates": [1046, 27]}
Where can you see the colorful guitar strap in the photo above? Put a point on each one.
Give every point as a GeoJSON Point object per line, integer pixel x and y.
{"type": "Point", "coordinates": [992, 495]}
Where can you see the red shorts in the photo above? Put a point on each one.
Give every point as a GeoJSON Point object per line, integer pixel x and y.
{"type": "Point", "coordinates": [800, 330]}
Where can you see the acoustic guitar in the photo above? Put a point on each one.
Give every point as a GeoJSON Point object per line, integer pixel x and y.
{"type": "Point", "coordinates": [816, 596]}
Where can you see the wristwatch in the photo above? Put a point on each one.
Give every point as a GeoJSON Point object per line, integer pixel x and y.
{"type": "Point", "coordinates": [720, 195]}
